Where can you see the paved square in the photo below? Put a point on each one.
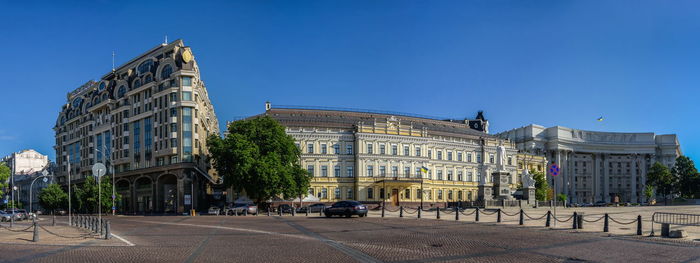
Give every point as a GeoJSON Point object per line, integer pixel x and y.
{"type": "Point", "coordinates": [373, 239]}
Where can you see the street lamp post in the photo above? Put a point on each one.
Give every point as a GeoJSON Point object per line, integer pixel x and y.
{"type": "Point", "coordinates": [98, 170]}
{"type": "Point", "coordinates": [114, 195]}
{"type": "Point", "coordinates": [44, 174]}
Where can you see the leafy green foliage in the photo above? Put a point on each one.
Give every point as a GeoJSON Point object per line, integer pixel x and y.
{"type": "Point", "coordinates": [53, 197]}
{"type": "Point", "coordinates": [13, 204]}
{"type": "Point", "coordinates": [4, 175]}
{"type": "Point", "coordinates": [86, 196]}
{"type": "Point", "coordinates": [688, 179]}
{"type": "Point", "coordinates": [648, 192]}
{"type": "Point", "coordinates": [258, 157]}
{"type": "Point", "coordinates": [561, 197]}
{"type": "Point", "coordinates": [541, 185]}
{"type": "Point", "coordinates": [661, 178]}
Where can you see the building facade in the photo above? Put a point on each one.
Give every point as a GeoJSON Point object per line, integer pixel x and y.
{"type": "Point", "coordinates": [25, 166]}
{"type": "Point", "coordinates": [597, 166]}
{"type": "Point", "coordinates": [398, 159]}
{"type": "Point", "coordinates": [25, 162]}
{"type": "Point", "coordinates": [147, 121]}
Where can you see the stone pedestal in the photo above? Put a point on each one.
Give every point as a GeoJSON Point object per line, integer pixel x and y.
{"type": "Point", "coordinates": [501, 189]}
{"type": "Point", "coordinates": [485, 192]}
{"type": "Point", "coordinates": [529, 195]}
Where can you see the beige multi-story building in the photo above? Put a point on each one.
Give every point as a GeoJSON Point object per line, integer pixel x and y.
{"type": "Point", "coordinates": [377, 157]}
{"type": "Point", "coordinates": [25, 162]}
{"type": "Point", "coordinates": [597, 166]}
{"type": "Point", "coordinates": [149, 120]}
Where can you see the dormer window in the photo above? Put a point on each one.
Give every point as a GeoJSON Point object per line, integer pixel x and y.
{"type": "Point", "coordinates": [165, 73]}
{"type": "Point", "coordinates": [121, 92]}
{"type": "Point", "coordinates": [145, 67]}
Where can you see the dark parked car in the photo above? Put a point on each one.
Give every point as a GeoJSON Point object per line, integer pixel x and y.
{"type": "Point", "coordinates": [285, 208]}
{"type": "Point", "coordinates": [315, 208]}
{"type": "Point", "coordinates": [601, 203]}
{"type": "Point", "coordinates": [346, 208]}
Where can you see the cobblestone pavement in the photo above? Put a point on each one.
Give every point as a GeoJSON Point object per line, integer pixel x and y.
{"type": "Point", "coordinates": [373, 239]}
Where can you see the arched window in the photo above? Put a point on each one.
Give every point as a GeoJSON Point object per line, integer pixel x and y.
{"type": "Point", "coordinates": [165, 73]}
{"type": "Point", "coordinates": [76, 102]}
{"type": "Point", "coordinates": [148, 79]}
{"type": "Point", "coordinates": [63, 120]}
{"type": "Point", "coordinates": [95, 101]}
{"type": "Point", "coordinates": [105, 96]}
{"type": "Point", "coordinates": [145, 67]}
{"type": "Point", "coordinates": [137, 84]}
{"type": "Point", "coordinates": [102, 87]}
{"type": "Point", "coordinates": [121, 92]}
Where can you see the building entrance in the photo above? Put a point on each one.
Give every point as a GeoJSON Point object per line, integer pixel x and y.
{"type": "Point", "coordinates": [395, 197]}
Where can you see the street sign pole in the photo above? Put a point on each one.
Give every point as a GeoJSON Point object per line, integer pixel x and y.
{"type": "Point", "coordinates": [554, 171]}
{"type": "Point", "coordinates": [98, 170]}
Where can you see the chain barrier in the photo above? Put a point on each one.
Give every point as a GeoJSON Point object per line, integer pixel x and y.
{"type": "Point", "coordinates": [514, 214]}
{"type": "Point", "coordinates": [426, 210]}
{"type": "Point", "coordinates": [389, 210]}
{"type": "Point", "coordinates": [23, 230]}
{"type": "Point", "coordinates": [593, 221]}
{"type": "Point", "coordinates": [63, 236]}
{"type": "Point", "coordinates": [415, 210]}
{"type": "Point", "coordinates": [488, 214]}
{"type": "Point", "coordinates": [446, 211]}
{"type": "Point", "coordinates": [467, 214]}
{"type": "Point", "coordinates": [562, 221]}
{"type": "Point", "coordinates": [621, 223]}
{"type": "Point", "coordinates": [532, 218]}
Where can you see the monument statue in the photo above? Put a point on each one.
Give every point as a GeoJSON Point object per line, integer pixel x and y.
{"type": "Point", "coordinates": [501, 157]}
{"type": "Point", "coordinates": [527, 180]}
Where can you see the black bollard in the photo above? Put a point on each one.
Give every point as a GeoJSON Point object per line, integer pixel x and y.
{"type": "Point", "coordinates": [498, 218]}
{"type": "Point", "coordinates": [419, 210]}
{"type": "Point", "coordinates": [382, 210]}
{"type": "Point", "coordinates": [438, 212]}
{"type": "Point", "coordinates": [477, 215]}
{"type": "Point", "coordinates": [35, 238]}
{"type": "Point", "coordinates": [605, 224]}
{"type": "Point", "coordinates": [400, 211]}
{"type": "Point", "coordinates": [456, 213]}
{"type": "Point", "coordinates": [279, 210]}
{"type": "Point", "coordinates": [580, 221]}
{"type": "Point", "coordinates": [575, 219]}
{"type": "Point", "coordinates": [108, 233]}
{"type": "Point", "coordinates": [522, 219]}
{"type": "Point", "coordinates": [293, 211]}
{"type": "Point", "coordinates": [549, 219]}
{"type": "Point", "coordinates": [101, 226]}
{"type": "Point", "coordinates": [639, 225]}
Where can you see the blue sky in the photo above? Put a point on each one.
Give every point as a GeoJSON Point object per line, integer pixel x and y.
{"type": "Point", "coordinates": [635, 63]}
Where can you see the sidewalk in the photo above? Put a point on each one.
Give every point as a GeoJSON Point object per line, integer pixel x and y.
{"type": "Point", "coordinates": [22, 232]}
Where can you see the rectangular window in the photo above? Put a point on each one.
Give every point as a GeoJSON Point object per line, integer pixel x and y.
{"type": "Point", "coordinates": [337, 193]}
{"type": "Point", "coordinates": [369, 149]}
{"type": "Point", "coordinates": [310, 169]}
{"type": "Point", "coordinates": [459, 156]}
{"type": "Point", "coordinates": [173, 112]}
{"type": "Point", "coordinates": [382, 149]}
{"type": "Point", "coordinates": [439, 194]}
{"type": "Point", "coordinates": [418, 172]}
{"type": "Point", "coordinates": [186, 81]}
{"type": "Point", "coordinates": [370, 193]}
{"type": "Point", "coordinates": [394, 150]}
{"type": "Point", "coordinates": [323, 149]}
{"type": "Point", "coordinates": [173, 97]}
{"type": "Point", "coordinates": [469, 157]}
{"type": "Point", "coordinates": [439, 155]}
{"type": "Point", "coordinates": [449, 156]}
{"type": "Point", "coordinates": [449, 195]}
{"type": "Point", "coordinates": [324, 193]}
{"type": "Point", "coordinates": [187, 134]}
{"type": "Point", "coordinates": [478, 157]}
{"type": "Point", "coordinates": [350, 174]}
{"type": "Point", "coordinates": [430, 153]}
{"type": "Point", "coordinates": [439, 174]}
{"type": "Point", "coordinates": [406, 150]}
{"type": "Point", "coordinates": [324, 171]}
{"type": "Point", "coordinates": [186, 96]}
{"type": "Point", "coordinates": [394, 171]}
{"type": "Point", "coordinates": [419, 195]}
{"type": "Point", "coordinates": [459, 176]}
{"type": "Point", "coordinates": [407, 194]}
{"type": "Point", "coordinates": [510, 160]}
{"type": "Point", "coordinates": [336, 148]}
{"type": "Point", "coordinates": [449, 175]}
{"type": "Point", "coordinates": [173, 128]}
{"type": "Point", "coordinates": [310, 148]}
{"type": "Point", "coordinates": [336, 171]}
{"type": "Point", "coordinates": [350, 193]}
{"type": "Point", "coordinates": [418, 151]}
{"type": "Point", "coordinates": [492, 159]}
{"type": "Point", "coordinates": [370, 170]}
{"type": "Point", "coordinates": [348, 149]}
{"type": "Point", "coordinates": [382, 171]}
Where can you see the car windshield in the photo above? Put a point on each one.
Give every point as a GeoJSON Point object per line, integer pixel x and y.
{"type": "Point", "coordinates": [240, 205]}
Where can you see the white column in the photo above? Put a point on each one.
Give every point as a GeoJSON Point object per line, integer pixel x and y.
{"type": "Point", "coordinates": [633, 179]}
{"type": "Point", "coordinates": [606, 178]}
{"type": "Point", "coordinates": [643, 177]}
{"type": "Point", "coordinates": [596, 183]}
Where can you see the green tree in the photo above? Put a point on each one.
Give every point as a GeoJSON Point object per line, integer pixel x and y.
{"type": "Point", "coordinates": [660, 177]}
{"type": "Point", "coordinates": [86, 195]}
{"type": "Point", "coordinates": [648, 192]}
{"type": "Point", "coordinates": [541, 185]}
{"type": "Point", "coordinates": [13, 204]}
{"type": "Point", "coordinates": [53, 197]}
{"type": "Point", "coordinates": [4, 175]}
{"type": "Point", "coordinates": [259, 157]}
{"type": "Point", "coordinates": [561, 197]}
{"type": "Point", "coordinates": [687, 177]}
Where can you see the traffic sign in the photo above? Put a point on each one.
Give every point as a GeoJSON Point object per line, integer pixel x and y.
{"type": "Point", "coordinates": [554, 169]}
{"type": "Point", "coordinates": [45, 179]}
